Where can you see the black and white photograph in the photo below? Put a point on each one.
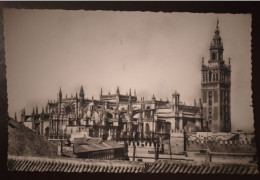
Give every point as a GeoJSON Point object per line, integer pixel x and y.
{"type": "Point", "coordinates": [129, 92]}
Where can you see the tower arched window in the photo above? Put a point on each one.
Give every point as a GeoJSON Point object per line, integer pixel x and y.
{"type": "Point", "coordinates": [210, 74]}
{"type": "Point", "coordinates": [147, 128]}
{"type": "Point", "coordinates": [213, 56]}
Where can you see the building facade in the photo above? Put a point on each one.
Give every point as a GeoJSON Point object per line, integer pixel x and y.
{"type": "Point", "coordinates": [215, 88]}
{"type": "Point", "coordinates": [115, 116]}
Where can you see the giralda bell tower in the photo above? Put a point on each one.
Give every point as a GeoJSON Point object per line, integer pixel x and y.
{"type": "Point", "coordinates": [215, 88]}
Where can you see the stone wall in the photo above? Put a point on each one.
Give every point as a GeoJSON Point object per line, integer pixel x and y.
{"type": "Point", "coordinates": [229, 146]}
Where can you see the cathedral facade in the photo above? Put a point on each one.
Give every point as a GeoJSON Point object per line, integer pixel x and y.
{"type": "Point", "coordinates": [116, 116]}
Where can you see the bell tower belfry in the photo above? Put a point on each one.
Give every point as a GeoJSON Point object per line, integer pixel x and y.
{"type": "Point", "coordinates": [215, 88]}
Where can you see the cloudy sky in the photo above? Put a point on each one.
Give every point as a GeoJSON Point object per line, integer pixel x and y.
{"type": "Point", "coordinates": [154, 53]}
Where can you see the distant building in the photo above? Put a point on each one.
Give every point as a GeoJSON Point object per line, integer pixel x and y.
{"type": "Point", "coordinates": [215, 88]}
{"type": "Point", "coordinates": [115, 116]}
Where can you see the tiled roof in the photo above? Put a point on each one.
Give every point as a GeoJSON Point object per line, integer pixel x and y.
{"type": "Point", "coordinates": [39, 164]}
{"type": "Point", "coordinates": [200, 168]}
{"type": "Point", "coordinates": [93, 144]}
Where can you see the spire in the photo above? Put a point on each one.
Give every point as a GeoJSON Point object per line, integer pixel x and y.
{"type": "Point", "coordinates": [202, 61]}
{"type": "Point", "coordinates": [46, 109]}
{"type": "Point", "coordinates": [36, 110]}
{"type": "Point", "coordinates": [217, 29]}
{"type": "Point", "coordinates": [66, 96]}
{"type": "Point", "coordinates": [81, 94]}
{"type": "Point", "coordinates": [33, 112]}
{"type": "Point", "coordinates": [153, 98]}
{"type": "Point", "coordinates": [216, 47]}
{"type": "Point", "coordinates": [117, 90]}
{"type": "Point", "coordinates": [130, 96]}
{"type": "Point", "coordinates": [76, 95]}
{"type": "Point", "coordinates": [15, 118]}
{"type": "Point", "coordinates": [200, 103]}
{"type": "Point", "coordinates": [23, 111]}
{"type": "Point", "coordinates": [195, 103]}
{"type": "Point", "coordinates": [60, 94]}
{"type": "Point", "coordinates": [42, 110]}
{"type": "Point", "coordinates": [101, 91]}
{"type": "Point", "coordinates": [135, 93]}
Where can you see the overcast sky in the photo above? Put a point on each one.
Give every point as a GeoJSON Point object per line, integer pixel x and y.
{"type": "Point", "coordinates": [154, 53]}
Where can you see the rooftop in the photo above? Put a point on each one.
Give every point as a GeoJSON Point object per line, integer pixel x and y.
{"type": "Point", "coordinates": [40, 164]}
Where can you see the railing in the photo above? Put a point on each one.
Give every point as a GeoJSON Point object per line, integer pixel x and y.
{"type": "Point", "coordinates": [65, 136]}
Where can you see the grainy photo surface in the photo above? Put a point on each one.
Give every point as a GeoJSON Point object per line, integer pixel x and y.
{"type": "Point", "coordinates": [129, 92]}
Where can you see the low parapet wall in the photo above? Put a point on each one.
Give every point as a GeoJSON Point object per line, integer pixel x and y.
{"type": "Point", "coordinates": [228, 146]}
{"type": "Point", "coordinates": [141, 144]}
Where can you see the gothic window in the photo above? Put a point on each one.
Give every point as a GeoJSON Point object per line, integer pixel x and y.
{"type": "Point", "coordinates": [147, 128]}
{"type": "Point", "coordinates": [210, 111]}
{"type": "Point", "coordinates": [210, 74]}
{"type": "Point", "coordinates": [216, 76]}
{"type": "Point", "coordinates": [109, 115]}
{"type": "Point", "coordinates": [204, 96]}
{"type": "Point", "coordinates": [68, 109]}
{"type": "Point", "coordinates": [215, 96]}
{"type": "Point", "coordinates": [204, 111]}
{"type": "Point", "coordinates": [213, 56]}
{"type": "Point", "coordinates": [215, 113]}
{"type": "Point", "coordinates": [210, 98]}
{"type": "Point", "coordinates": [210, 94]}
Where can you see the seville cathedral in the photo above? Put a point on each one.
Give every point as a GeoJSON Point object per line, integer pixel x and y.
{"type": "Point", "coordinates": [116, 116]}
